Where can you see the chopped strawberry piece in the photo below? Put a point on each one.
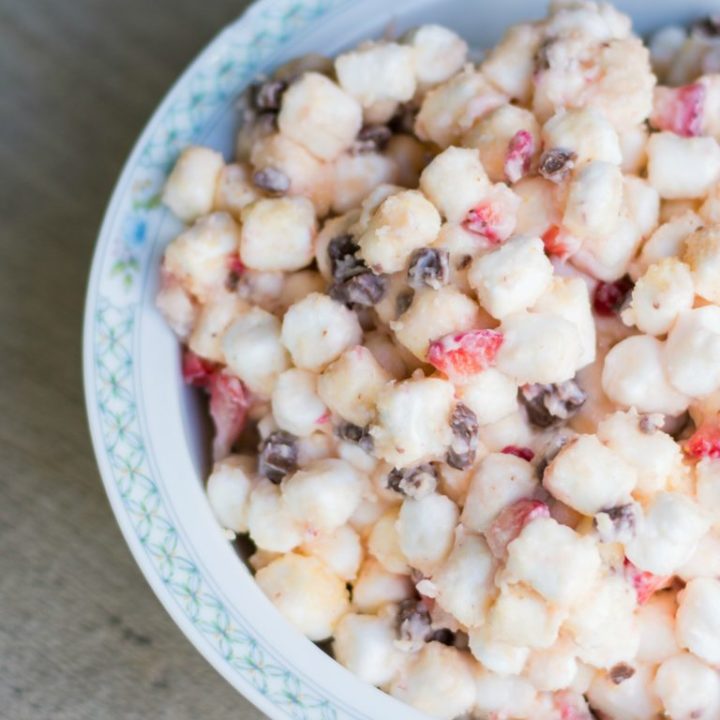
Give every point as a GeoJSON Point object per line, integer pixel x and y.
{"type": "Point", "coordinates": [645, 583]}
{"type": "Point", "coordinates": [519, 155]}
{"type": "Point", "coordinates": [704, 442]}
{"type": "Point", "coordinates": [465, 353]}
{"type": "Point", "coordinates": [552, 241]}
{"type": "Point", "coordinates": [197, 371]}
{"type": "Point", "coordinates": [522, 452]}
{"type": "Point", "coordinates": [608, 298]}
{"type": "Point", "coordinates": [229, 402]}
{"type": "Point", "coordinates": [571, 706]}
{"type": "Point", "coordinates": [510, 522]}
{"type": "Point", "coordinates": [679, 110]}
{"type": "Point", "coordinates": [483, 220]}
{"type": "Point", "coordinates": [235, 264]}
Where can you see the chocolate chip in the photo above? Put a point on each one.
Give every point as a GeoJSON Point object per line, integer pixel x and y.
{"type": "Point", "coordinates": [707, 27]}
{"type": "Point", "coordinates": [413, 622]}
{"type": "Point", "coordinates": [267, 96]}
{"type": "Point", "coordinates": [365, 288]}
{"type": "Point", "coordinates": [403, 300]}
{"type": "Point", "coordinates": [413, 482]}
{"type": "Point", "coordinates": [355, 434]}
{"type": "Point", "coordinates": [547, 405]}
{"type": "Point", "coordinates": [278, 456]}
{"type": "Point", "coordinates": [271, 180]}
{"type": "Point", "coordinates": [556, 164]}
{"type": "Point", "coordinates": [464, 426]}
{"type": "Point", "coordinates": [444, 636]}
{"type": "Point", "coordinates": [371, 138]}
{"type": "Point", "coordinates": [404, 119]}
{"type": "Point", "coordinates": [541, 61]}
{"type": "Point", "coordinates": [344, 263]}
{"type": "Point", "coordinates": [622, 525]}
{"type": "Point", "coordinates": [550, 452]}
{"type": "Point", "coordinates": [621, 672]}
{"type": "Point", "coordinates": [429, 266]}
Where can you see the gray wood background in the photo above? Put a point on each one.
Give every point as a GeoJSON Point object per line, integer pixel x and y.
{"type": "Point", "coordinates": [81, 634]}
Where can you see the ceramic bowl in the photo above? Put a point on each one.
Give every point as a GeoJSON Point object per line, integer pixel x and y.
{"type": "Point", "coordinates": [149, 431]}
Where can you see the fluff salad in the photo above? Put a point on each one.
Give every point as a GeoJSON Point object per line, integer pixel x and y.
{"type": "Point", "coordinates": [459, 328]}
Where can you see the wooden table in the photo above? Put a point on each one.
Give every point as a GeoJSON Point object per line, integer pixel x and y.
{"type": "Point", "coordinates": [81, 633]}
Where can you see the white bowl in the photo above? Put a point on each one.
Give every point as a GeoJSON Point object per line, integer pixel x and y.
{"type": "Point", "coordinates": [148, 430]}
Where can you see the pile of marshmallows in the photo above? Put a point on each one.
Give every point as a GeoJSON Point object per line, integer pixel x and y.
{"type": "Point", "coordinates": [460, 329]}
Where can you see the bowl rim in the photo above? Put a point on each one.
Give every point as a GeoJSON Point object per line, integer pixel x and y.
{"type": "Point", "coordinates": [115, 300]}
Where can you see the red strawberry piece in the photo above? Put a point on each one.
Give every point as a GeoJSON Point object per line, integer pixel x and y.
{"type": "Point", "coordinates": [465, 353]}
{"type": "Point", "coordinates": [704, 442]}
{"type": "Point", "coordinates": [679, 110]}
{"type": "Point", "coordinates": [235, 264]}
{"type": "Point", "coordinates": [229, 402]}
{"type": "Point", "coordinates": [645, 583]}
{"type": "Point", "coordinates": [196, 370]}
{"type": "Point", "coordinates": [510, 522]}
{"type": "Point", "coordinates": [519, 155]}
{"type": "Point", "coordinates": [484, 220]}
{"type": "Point", "coordinates": [608, 298]}
{"type": "Point", "coordinates": [522, 452]}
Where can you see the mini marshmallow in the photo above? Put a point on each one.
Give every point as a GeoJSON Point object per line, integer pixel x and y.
{"type": "Point", "coordinates": [272, 527]}
{"type": "Point", "coordinates": [213, 319]}
{"type": "Point", "coordinates": [667, 240]}
{"type": "Point", "coordinates": [503, 694]}
{"type": "Point", "coordinates": [317, 330]}
{"type": "Point", "coordinates": [698, 619]}
{"type": "Point", "coordinates": [692, 351]}
{"type": "Point", "coordinates": [307, 594]}
{"type": "Point", "coordinates": [412, 424]}
{"type": "Point", "coordinates": [426, 528]}
{"type": "Point", "coordinates": [384, 544]}
{"type": "Point", "coordinates": [464, 582]}
{"type": "Point", "coordinates": [511, 278]}
{"type": "Point", "coordinates": [589, 477]}
{"type": "Point", "coordinates": [376, 587]}
{"type": "Point", "coordinates": [554, 560]}
{"type": "Point", "coordinates": [439, 53]}
{"type": "Point", "coordinates": [350, 385]}
{"type": "Point", "coordinates": [491, 395]}
{"type": "Point", "coordinates": [701, 252]}
{"type": "Point", "coordinates": [190, 187]}
{"type": "Point", "coordinates": [402, 223]}
{"type": "Point", "coordinates": [340, 550]}
{"type": "Point", "coordinates": [634, 375]}
{"type": "Point", "coordinates": [278, 234]}
{"type": "Point", "coordinates": [498, 657]}
{"type": "Point", "coordinates": [668, 535]}
{"type": "Point", "coordinates": [433, 314]}
{"type": "Point", "coordinates": [656, 622]}
{"type": "Point", "coordinates": [253, 350]}
{"type": "Point", "coordinates": [499, 481]}
{"type": "Point", "coordinates": [594, 200]}
{"type": "Point", "coordinates": [198, 257]}
{"type": "Point", "coordinates": [365, 645]}
{"type": "Point", "coordinates": [319, 115]}
{"type": "Point", "coordinates": [707, 474]}
{"type": "Point", "coordinates": [296, 405]}
{"type": "Point", "coordinates": [356, 175]}
{"type": "Point", "coordinates": [538, 348]}
{"type": "Point", "coordinates": [632, 699]}
{"type": "Point", "coordinates": [437, 681]}
{"type": "Point", "coordinates": [235, 189]}
{"type": "Point", "coordinates": [228, 491]}
{"type": "Point", "coordinates": [323, 495]}
{"type": "Point", "coordinates": [455, 181]}
{"type": "Point", "coordinates": [553, 668]}
{"type": "Point", "coordinates": [688, 688]}
{"type": "Point", "coordinates": [659, 296]}
{"type": "Point", "coordinates": [585, 132]}
{"type": "Point", "coordinates": [680, 167]}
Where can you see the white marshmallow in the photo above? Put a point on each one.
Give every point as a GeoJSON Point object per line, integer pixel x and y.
{"type": "Point", "coordinates": [296, 406]}
{"type": "Point", "coordinates": [376, 587]}
{"type": "Point", "coordinates": [340, 550]}
{"type": "Point", "coordinates": [439, 53]}
{"type": "Point", "coordinates": [688, 688]}
{"type": "Point", "coordinates": [228, 490]}
{"type": "Point", "coordinates": [585, 132]}
{"type": "Point", "coordinates": [491, 395]}
{"type": "Point", "coordinates": [701, 252]}
{"type": "Point", "coordinates": [698, 619]}
{"type": "Point", "coordinates": [190, 187]}
{"type": "Point", "coordinates": [271, 525]}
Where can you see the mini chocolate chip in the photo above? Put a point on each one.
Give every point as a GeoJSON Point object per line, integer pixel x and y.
{"type": "Point", "coordinates": [365, 288]}
{"type": "Point", "coordinates": [278, 456]}
{"type": "Point", "coordinates": [621, 672]}
{"type": "Point", "coordinates": [556, 164]}
{"type": "Point", "coordinates": [550, 404]}
{"type": "Point", "coordinates": [463, 449]}
{"type": "Point", "coordinates": [413, 622]}
{"type": "Point", "coordinates": [355, 434]}
{"type": "Point", "coordinates": [429, 266]}
{"type": "Point", "coordinates": [271, 180]}
{"type": "Point", "coordinates": [267, 96]}
{"type": "Point", "coordinates": [550, 452]}
{"type": "Point", "coordinates": [403, 300]}
{"type": "Point", "coordinates": [623, 520]}
{"type": "Point", "coordinates": [541, 61]}
{"type": "Point", "coordinates": [444, 636]}
{"type": "Point", "coordinates": [344, 263]}
{"type": "Point", "coordinates": [371, 138]}
{"type": "Point", "coordinates": [708, 27]}
{"type": "Point", "coordinates": [464, 261]}
{"type": "Point", "coordinates": [413, 482]}
{"type": "Point", "coordinates": [403, 121]}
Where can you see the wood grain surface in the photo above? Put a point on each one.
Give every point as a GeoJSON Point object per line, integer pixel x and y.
{"type": "Point", "coordinates": [81, 633]}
